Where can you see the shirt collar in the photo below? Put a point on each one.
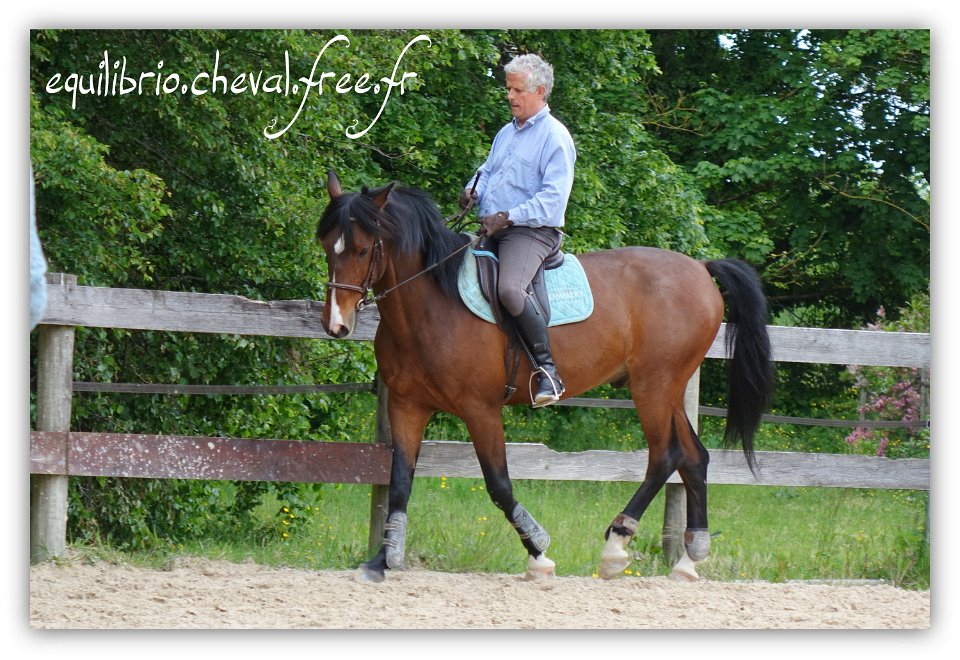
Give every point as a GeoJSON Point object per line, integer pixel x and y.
{"type": "Point", "coordinates": [544, 111]}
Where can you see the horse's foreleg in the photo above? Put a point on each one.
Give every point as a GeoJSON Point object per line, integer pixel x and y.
{"type": "Point", "coordinates": [407, 427]}
{"type": "Point", "coordinates": [488, 441]}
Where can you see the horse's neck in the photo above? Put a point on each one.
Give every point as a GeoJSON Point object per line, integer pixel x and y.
{"type": "Point", "coordinates": [414, 309]}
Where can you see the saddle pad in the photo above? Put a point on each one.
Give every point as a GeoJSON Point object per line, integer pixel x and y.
{"type": "Point", "coordinates": [571, 299]}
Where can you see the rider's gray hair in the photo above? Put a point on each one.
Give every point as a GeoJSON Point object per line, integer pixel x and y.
{"type": "Point", "coordinates": [539, 72]}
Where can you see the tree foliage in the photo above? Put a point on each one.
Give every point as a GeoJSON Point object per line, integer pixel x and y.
{"type": "Point", "coordinates": [810, 145]}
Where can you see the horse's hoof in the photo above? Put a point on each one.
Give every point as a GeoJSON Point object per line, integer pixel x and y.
{"type": "Point", "coordinates": [613, 565]}
{"type": "Point", "coordinates": [612, 571]}
{"type": "Point", "coordinates": [685, 570]}
{"type": "Point", "coordinates": [683, 576]}
{"type": "Point", "coordinates": [369, 575]}
{"type": "Point", "coordinates": [540, 568]}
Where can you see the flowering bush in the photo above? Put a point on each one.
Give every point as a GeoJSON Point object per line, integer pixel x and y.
{"type": "Point", "coordinates": [894, 393]}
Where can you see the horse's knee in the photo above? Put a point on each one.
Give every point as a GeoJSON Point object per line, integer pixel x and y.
{"type": "Point", "coordinates": [500, 491]}
{"type": "Point", "coordinates": [503, 499]}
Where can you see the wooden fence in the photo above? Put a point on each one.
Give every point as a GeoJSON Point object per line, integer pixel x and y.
{"type": "Point", "coordinates": [56, 452]}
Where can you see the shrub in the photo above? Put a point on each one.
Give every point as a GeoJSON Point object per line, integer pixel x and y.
{"type": "Point", "coordinates": [894, 393]}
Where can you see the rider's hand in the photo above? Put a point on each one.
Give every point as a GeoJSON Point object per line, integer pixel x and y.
{"type": "Point", "coordinates": [468, 198]}
{"type": "Point", "coordinates": [499, 221]}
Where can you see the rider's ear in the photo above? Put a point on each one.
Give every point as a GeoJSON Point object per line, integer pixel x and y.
{"type": "Point", "coordinates": [333, 185]}
{"type": "Point", "coordinates": [381, 199]}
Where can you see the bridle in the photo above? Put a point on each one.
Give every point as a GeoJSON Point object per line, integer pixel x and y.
{"type": "Point", "coordinates": [375, 272]}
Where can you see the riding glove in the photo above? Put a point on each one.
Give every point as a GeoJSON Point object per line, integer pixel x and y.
{"type": "Point", "coordinates": [491, 224]}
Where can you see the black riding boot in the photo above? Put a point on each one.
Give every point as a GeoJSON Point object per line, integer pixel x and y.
{"type": "Point", "coordinates": [533, 330]}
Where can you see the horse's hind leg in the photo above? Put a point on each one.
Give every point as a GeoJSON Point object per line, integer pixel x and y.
{"type": "Point", "coordinates": [693, 471]}
{"type": "Point", "coordinates": [488, 442]}
{"type": "Point", "coordinates": [407, 424]}
{"type": "Point", "coordinates": [678, 449]}
{"type": "Point", "coordinates": [665, 456]}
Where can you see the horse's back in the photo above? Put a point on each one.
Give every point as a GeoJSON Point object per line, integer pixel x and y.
{"type": "Point", "coordinates": [666, 302]}
{"type": "Point", "coordinates": [670, 280]}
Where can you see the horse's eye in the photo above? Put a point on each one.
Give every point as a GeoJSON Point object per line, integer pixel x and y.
{"type": "Point", "coordinates": [363, 252]}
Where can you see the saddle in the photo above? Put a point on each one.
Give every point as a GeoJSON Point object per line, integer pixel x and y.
{"type": "Point", "coordinates": [559, 280]}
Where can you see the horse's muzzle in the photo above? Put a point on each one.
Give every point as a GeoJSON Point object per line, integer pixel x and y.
{"type": "Point", "coordinates": [336, 322]}
{"type": "Point", "coordinates": [338, 331]}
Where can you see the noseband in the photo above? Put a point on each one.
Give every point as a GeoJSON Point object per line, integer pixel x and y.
{"type": "Point", "coordinates": [374, 273]}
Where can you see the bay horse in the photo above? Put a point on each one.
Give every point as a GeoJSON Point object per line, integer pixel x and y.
{"type": "Point", "coordinates": [656, 314]}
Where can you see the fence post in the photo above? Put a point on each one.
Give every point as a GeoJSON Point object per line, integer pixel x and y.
{"type": "Point", "coordinates": [379, 498]}
{"type": "Point", "coordinates": [675, 505]}
{"type": "Point", "coordinates": [48, 493]}
{"type": "Point", "coordinates": [925, 415]}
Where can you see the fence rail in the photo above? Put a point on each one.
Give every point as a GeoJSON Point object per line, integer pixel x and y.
{"type": "Point", "coordinates": [371, 387]}
{"type": "Point", "coordinates": [57, 452]}
{"type": "Point", "coordinates": [238, 459]}
{"type": "Point", "coordinates": [142, 309]}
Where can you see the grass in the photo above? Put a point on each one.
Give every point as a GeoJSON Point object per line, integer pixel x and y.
{"type": "Point", "coordinates": [760, 533]}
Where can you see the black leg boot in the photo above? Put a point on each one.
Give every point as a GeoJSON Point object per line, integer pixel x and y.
{"type": "Point", "coordinates": [533, 330]}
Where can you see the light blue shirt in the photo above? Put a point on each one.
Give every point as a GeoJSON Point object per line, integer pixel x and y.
{"type": "Point", "coordinates": [529, 172]}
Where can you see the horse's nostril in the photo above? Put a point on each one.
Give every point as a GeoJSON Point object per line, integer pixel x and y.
{"type": "Point", "coordinates": [338, 331]}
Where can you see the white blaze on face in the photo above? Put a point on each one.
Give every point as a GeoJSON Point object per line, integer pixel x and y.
{"type": "Point", "coordinates": [336, 318]}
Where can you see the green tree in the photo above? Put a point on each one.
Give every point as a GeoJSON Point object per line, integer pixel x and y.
{"type": "Point", "coordinates": [810, 145]}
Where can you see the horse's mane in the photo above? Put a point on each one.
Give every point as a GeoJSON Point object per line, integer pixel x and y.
{"type": "Point", "coordinates": [410, 221]}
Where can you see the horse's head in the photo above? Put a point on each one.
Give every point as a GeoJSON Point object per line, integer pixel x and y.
{"type": "Point", "coordinates": [350, 234]}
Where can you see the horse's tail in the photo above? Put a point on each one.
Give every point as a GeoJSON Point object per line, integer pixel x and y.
{"type": "Point", "coordinates": [751, 372]}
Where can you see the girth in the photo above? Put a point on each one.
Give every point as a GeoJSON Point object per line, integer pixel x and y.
{"type": "Point", "coordinates": [488, 270]}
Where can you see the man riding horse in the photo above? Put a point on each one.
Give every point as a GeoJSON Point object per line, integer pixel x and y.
{"type": "Point", "coordinates": [522, 191]}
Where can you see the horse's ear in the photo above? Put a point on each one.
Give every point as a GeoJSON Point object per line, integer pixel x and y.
{"type": "Point", "coordinates": [333, 185]}
{"type": "Point", "coordinates": [381, 199]}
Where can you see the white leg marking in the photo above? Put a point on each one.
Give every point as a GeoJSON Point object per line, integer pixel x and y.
{"type": "Point", "coordinates": [614, 558]}
{"type": "Point", "coordinates": [685, 569]}
{"type": "Point", "coordinates": [540, 567]}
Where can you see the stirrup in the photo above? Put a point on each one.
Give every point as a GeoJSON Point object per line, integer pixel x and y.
{"type": "Point", "coordinates": [549, 398]}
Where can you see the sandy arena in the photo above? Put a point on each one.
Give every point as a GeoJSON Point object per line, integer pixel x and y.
{"type": "Point", "coordinates": [204, 594]}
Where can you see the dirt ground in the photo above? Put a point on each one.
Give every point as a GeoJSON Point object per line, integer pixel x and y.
{"type": "Point", "coordinates": [204, 594]}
